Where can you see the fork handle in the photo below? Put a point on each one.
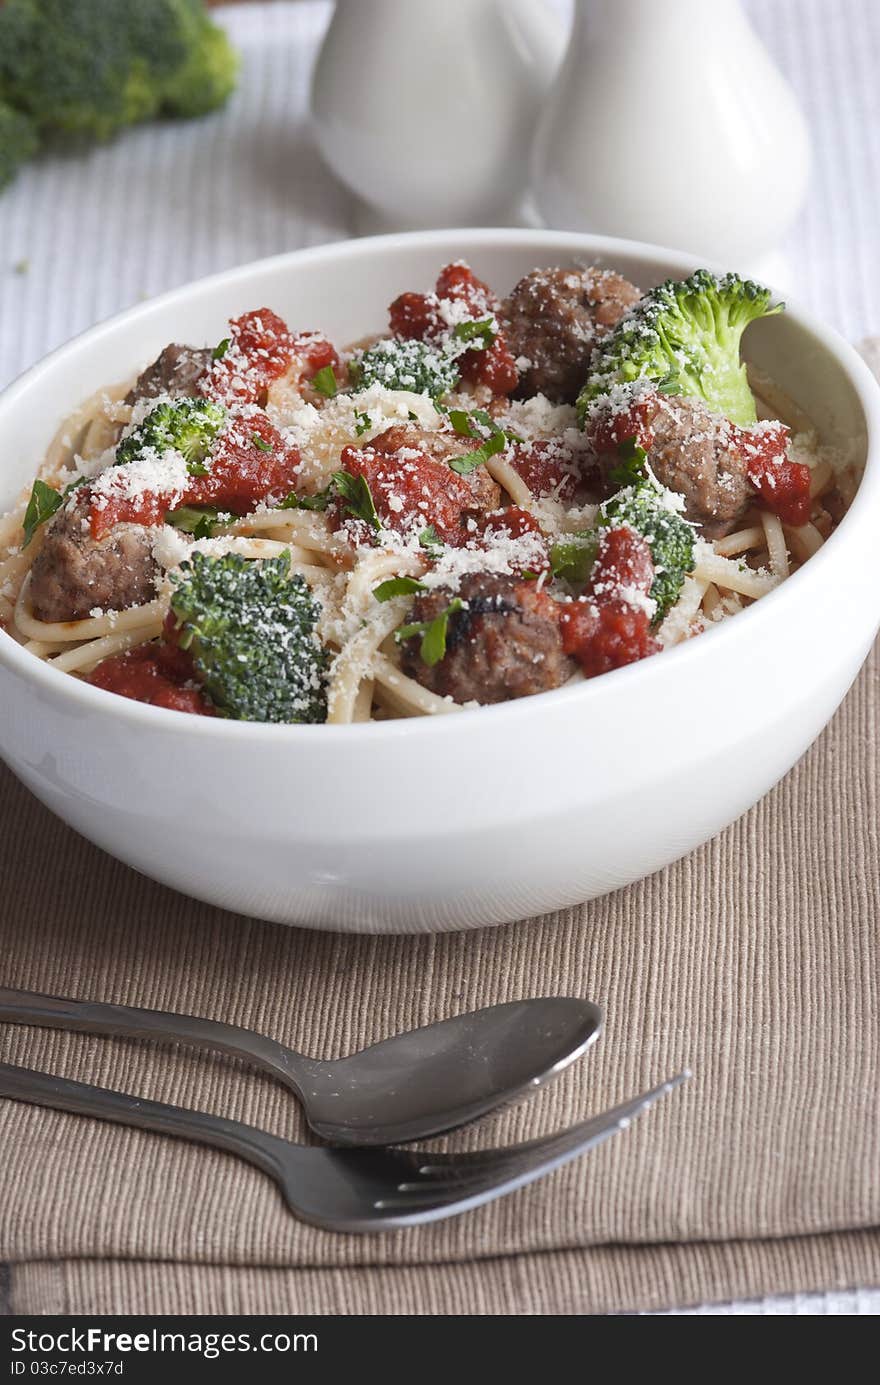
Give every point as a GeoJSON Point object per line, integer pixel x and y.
{"type": "Point", "coordinates": [130, 1022]}
{"type": "Point", "coordinates": [82, 1099]}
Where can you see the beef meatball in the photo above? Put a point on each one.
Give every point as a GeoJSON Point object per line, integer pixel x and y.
{"type": "Point", "coordinates": [176, 371]}
{"type": "Point", "coordinates": [74, 574]}
{"type": "Point", "coordinates": [696, 453]}
{"type": "Point", "coordinates": [505, 643]}
{"type": "Point", "coordinates": [552, 319]}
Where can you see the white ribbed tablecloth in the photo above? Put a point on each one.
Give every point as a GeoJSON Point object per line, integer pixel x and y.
{"type": "Point", "coordinates": [85, 235]}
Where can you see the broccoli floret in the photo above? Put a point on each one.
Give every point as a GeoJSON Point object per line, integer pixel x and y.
{"type": "Point", "coordinates": [250, 627]}
{"type": "Point", "coordinates": [685, 335]}
{"type": "Point", "coordinates": [188, 426]}
{"type": "Point", "coordinates": [670, 538]}
{"type": "Point", "coordinates": [90, 68]}
{"type": "Point", "coordinates": [404, 364]}
{"type": "Point", "coordinates": [18, 142]}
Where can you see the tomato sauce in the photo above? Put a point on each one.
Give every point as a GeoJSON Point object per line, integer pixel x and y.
{"type": "Point", "coordinates": [418, 315]}
{"type": "Point", "coordinates": [249, 463]}
{"type": "Point", "coordinates": [605, 630]}
{"type": "Point", "coordinates": [154, 673]}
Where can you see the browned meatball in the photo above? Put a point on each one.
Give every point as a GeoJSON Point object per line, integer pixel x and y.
{"type": "Point", "coordinates": [73, 574]}
{"type": "Point", "coordinates": [552, 320]}
{"type": "Point", "coordinates": [442, 447]}
{"type": "Point", "coordinates": [505, 643]}
{"type": "Point", "coordinates": [175, 371]}
{"type": "Point", "coordinates": [695, 452]}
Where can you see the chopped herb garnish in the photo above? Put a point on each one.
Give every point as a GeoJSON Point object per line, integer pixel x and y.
{"type": "Point", "coordinates": [482, 333]}
{"type": "Point", "coordinates": [469, 462]}
{"type": "Point", "coordinates": [42, 505]}
{"type": "Point", "coordinates": [397, 586]}
{"type": "Point", "coordinates": [431, 541]}
{"type": "Point", "coordinates": [356, 497]}
{"type": "Point", "coordinates": [413, 418]}
{"type": "Point", "coordinates": [220, 349]}
{"type": "Point", "coordinates": [261, 443]}
{"type": "Point", "coordinates": [362, 422]}
{"type": "Point", "coordinates": [433, 633]}
{"type": "Point", "coordinates": [632, 464]}
{"type": "Point", "coordinates": [573, 559]}
{"type": "Point", "coordinates": [307, 502]}
{"type": "Point", "coordinates": [325, 381]}
{"type": "Point", "coordinates": [202, 521]}
{"type": "Point", "coordinates": [476, 425]}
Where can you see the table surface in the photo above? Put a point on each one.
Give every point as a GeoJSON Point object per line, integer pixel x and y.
{"type": "Point", "coordinates": [85, 235]}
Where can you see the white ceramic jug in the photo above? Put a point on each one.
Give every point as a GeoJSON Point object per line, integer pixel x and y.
{"type": "Point", "coordinates": [669, 122]}
{"type": "Point", "coordinates": [427, 109]}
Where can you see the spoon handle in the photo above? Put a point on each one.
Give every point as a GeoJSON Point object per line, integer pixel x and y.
{"type": "Point", "coordinates": [130, 1022]}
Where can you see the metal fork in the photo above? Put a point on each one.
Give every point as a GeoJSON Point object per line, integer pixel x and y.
{"type": "Point", "coordinates": [344, 1189]}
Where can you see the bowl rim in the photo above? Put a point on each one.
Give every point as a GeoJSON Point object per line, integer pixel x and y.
{"type": "Point", "coordinates": [865, 503]}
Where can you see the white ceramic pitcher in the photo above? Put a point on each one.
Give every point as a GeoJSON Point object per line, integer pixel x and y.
{"type": "Point", "coordinates": [669, 122]}
{"type": "Point", "coordinates": [427, 108]}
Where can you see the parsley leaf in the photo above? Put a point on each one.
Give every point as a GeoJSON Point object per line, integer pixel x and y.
{"type": "Point", "coordinates": [261, 443]}
{"type": "Point", "coordinates": [632, 466]}
{"type": "Point", "coordinates": [202, 521]}
{"type": "Point", "coordinates": [433, 646]}
{"type": "Point", "coordinates": [431, 541]}
{"type": "Point", "coordinates": [307, 502]}
{"type": "Point", "coordinates": [481, 333]}
{"type": "Point", "coordinates": [196, 468]}
{"type": "Point", "coordinates": [573, 559]}
{"type": "Point", "coordinates": [220, 350]}
{"type": "Point", "coordinates": [42, 505]}
{"type": "Point", "coordinates": [362, 421]}
{"type": "Point", "coordinates": [469, 462]}
{"type": "Point", "coordinates": [357, 497]}
{"type": "Point", "coordinates": [324, 381]}
{"type": "Point", "coordinates": [397, 586]}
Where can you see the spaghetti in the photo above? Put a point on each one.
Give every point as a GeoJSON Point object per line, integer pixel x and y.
{"type": "Point", "coordinates": [517, 480]}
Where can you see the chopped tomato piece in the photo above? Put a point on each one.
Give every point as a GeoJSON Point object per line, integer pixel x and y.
{"type": "Point", "coordinates": [153, 673]}
{"type": "Point", "coordinates": [515, 522]}
{"type": "Point", "coordinates": [605, 634]}
{"type": "Point", "coordinates": [261, 349]}
{"type": "Point", "coordinates": [410, 488]}
{"type": "Point", "coordinates": [545, 466]}
{"type": "Point", "coordinates": [623, 563]}
{"type": "Point", "coordinates": [419, 315]}
{"type": "Point", "coordinates": [610, 426]}
{"type": "Point", "coordinates": [782, 486]}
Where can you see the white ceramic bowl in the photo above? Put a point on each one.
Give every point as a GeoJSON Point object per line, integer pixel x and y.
{"type": "Point", "coordinates": [488, 815]}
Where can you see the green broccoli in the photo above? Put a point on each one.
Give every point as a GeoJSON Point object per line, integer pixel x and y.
{"type": "Point", "coordinates": [18, 141]}
{"type": "Point", "coordinates": [188, 426]}
{"type": "Point", "coordinates": [671, 539]}
{"type": "Point", "coordinates": [404, 364]}
{"type": "Point", "coordinates": [91, 67]}
{"type": "Point", "coordinates": [250, 627]}
{"type": "Point", "coordinates": [684, 335]}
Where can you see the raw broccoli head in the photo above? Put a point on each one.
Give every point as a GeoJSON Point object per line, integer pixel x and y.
{"type": "Point", "coordinates": [405, 364]}
{"type": "Point", "coordinates": [18, 142]}
{"type": "Point", "coordinates": [684, 335]}
{"type": "Point", "coordinates": [188, 426]}
{"type": "Point", "coordinates": [670, 538]}
{"type": "Point", "coordinates": [250, 627]}
{"type": "Point", "coordinates": [90, 68]}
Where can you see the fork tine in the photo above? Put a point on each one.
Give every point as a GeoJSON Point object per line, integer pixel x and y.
{"type": "Point", "coordinates": [456, 1182]}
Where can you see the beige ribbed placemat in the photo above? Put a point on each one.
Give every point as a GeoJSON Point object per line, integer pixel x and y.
{"type": "Point", "coordinates": [756, 961]}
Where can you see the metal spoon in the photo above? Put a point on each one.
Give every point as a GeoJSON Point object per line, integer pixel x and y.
{"type": "Point", "coordinates": [405, 1088]}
